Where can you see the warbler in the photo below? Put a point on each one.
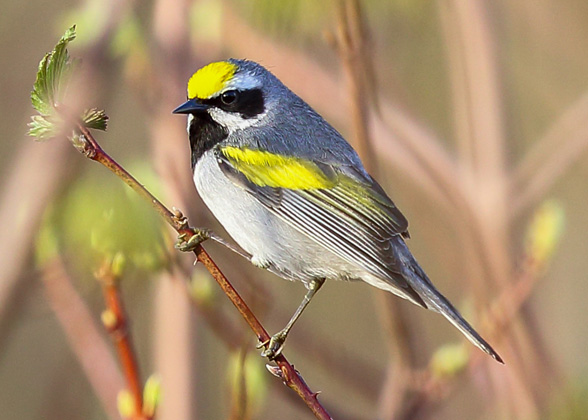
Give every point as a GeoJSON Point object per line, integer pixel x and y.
{"type": "Point", "coordinates": [294, 194]}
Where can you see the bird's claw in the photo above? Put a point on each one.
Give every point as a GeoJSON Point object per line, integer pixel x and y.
{"type": "Point", "coordinates": [273, 346]}
{"type": "Point", "coordinates": [198, 236]}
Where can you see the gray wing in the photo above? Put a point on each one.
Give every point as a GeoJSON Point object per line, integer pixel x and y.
{"type": "Point", "coordinates": [355, 220]}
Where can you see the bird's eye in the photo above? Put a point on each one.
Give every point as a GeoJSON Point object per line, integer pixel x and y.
{"type": "Point", "coordinates": [229, 97]}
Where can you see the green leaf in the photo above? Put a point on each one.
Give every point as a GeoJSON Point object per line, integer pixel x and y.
{"type": "Point", "coordinates": [55, 70]}
{"type": "Point", "coordinates": [52, 76]}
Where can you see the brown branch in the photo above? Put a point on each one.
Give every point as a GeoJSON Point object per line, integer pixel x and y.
{"type": "Point", "coordinates": [476, 90]}
{"type": "Point", "coordinates": [83, 336]}
{"type": "Point", "coordinates": [169, 64]}
{"type": "Point", "coordinates": [116, 322]}
{"type": "Point", "coordinates": [352, 44]}
{"type": "Point", "coordinates": [91, 149]}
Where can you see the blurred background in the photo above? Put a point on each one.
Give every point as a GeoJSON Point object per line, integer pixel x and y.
{"type": "Point", "coordinates": [472, 115]}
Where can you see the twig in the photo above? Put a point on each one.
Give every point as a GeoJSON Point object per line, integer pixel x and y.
{"type": "Point", "coordinates": [352, 45]}
{"type": "Point", "coordinates": [91, 149]}
{"type": "Point", "coordinates": [116, 322]}
{"type": "Point", "coordinates": [86, 342]}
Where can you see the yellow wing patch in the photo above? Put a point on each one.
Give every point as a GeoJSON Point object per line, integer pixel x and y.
{"type": "Point", "coordinates": [210, 79]}
{"type": "Point", "coordinates": [270, 170]}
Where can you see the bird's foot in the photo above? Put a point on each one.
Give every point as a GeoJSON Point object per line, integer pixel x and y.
{"type": "Point", "coordinates": [198, 236]}
{"type": "Point", "coordinates": [274, 346]}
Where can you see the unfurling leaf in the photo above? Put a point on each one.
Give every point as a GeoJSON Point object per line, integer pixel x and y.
{"type": "Point", "coordinates": [52, 76]}
{"type": "Point", "coordinates": [50, 88]}
{"type": "Point", "coordinates": [95, 119]}
{"type": "Point", "coordinates": [44, 127]}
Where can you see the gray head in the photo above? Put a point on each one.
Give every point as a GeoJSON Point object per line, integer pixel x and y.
{"type": "Point", "coordinates": [236, 93]}
{"type": "Point", "coordinates": [242, 103]}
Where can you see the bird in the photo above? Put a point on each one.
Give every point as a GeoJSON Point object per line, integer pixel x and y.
{"type": "Point", "coordinates": [294, 194]}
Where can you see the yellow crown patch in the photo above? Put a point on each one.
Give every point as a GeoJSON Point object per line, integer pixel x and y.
{"type": "Point", "coordinates": [210, 79]}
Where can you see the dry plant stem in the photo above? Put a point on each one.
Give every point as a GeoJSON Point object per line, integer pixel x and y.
{"type": "Point", "coordinates": [481, 114]}
{"type": "Point", "coordinates": [170, 60]}
{"type": "Point", "coordinates": [354, 51]}
{"type": "Point", "coordinates": [117, 325]}
{"type": "Point", "coordinates": [352, 44]}
{"type": "Point", "coordinates": [480, 130]}
{"type": "Point", "coordinates": [288, 374]}
{"type": "Point", "coordinates": [563, 144]}
{"type": "Point", "coordinates": [86, 341]}
{"type": "Point", "coordinates": [239, 394]}
{"type": "Point", "coordinates": [24, 197]}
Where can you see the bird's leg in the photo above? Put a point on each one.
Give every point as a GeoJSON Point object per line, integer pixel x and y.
{"type": "Point", "coordinates": [276, 342]}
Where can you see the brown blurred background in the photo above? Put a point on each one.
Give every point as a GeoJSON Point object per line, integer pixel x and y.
{"type": "Point", "coordinates": [474, 115]}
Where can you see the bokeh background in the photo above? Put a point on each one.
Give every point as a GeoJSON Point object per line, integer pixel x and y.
{"type": "Point", "coordinates": [473, 116]}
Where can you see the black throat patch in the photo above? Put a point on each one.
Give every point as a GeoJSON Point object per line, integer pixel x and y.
{"type": "Point", "coordinates": [204, 134]}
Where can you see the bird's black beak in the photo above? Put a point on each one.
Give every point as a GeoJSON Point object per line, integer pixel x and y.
{"type": "Point", "coordinates": [190, 107]}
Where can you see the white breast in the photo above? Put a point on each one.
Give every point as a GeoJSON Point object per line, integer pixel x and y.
{"type": "Point", "coordinates": [270, 240]}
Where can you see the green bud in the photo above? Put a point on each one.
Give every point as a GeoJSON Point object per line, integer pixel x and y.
{"type": "Point", "coordinates": [449, 360]}
{"type": "Point", "coordinates": [151, 395]}
{"type": "Point", "coordinates": [125, 404]}
{"type": "Point", "coordinates": [118, 264]}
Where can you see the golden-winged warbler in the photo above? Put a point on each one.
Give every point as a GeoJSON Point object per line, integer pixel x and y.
{"type": "Point", "coordinates": [294, 194]}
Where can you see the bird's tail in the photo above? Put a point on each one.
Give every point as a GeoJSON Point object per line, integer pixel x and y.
{"type": "Point", "coordinates": [439, 303]}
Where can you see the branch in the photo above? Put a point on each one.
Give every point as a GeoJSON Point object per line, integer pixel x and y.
{"type": "Point", "coordinates": [91, 149]}
{"type": "Point", "coordinates": [116, 322]}
{"type": "Point", "coordinates": [54, 118]}
{"type": "Point", "coordinates": [85, 339]}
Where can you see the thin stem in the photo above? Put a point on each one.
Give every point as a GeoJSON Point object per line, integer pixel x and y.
{"type": "Point", "coordinates": [550, 157]}
{"type": "Point", "coordinates": [91, 149]}
{"type": "Point", "coordinates": [84, 337]}
{"type": "Point", "coordinates": [352, 43]}
{"type": "Point", "coordinates": [116, 322]}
